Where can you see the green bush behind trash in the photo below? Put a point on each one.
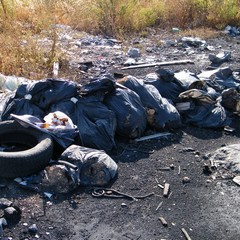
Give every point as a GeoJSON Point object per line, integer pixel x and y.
{"type": "Point", "coordinates": [22, 21]}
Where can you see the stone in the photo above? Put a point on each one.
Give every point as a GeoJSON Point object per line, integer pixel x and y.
{"type": "Point", "coordinates": [237, 180]}
{"type": "Point", "coordinates": [33, 229]}
{"type": "Point", "coordinates": [12, 214]}
{"type": "Point", "coordinates": [227, 157]}
{"type": "Point", "coordinates": [129, 62]}
{"type": "Point", "coordinates": [4, 203]}
{"type": "Point", "coordinates": [186, 180]}
{"type": "Point", "coordinates": [134, 52]}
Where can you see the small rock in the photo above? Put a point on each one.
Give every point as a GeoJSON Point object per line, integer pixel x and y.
{"type": "Point", "coordinates": [130, 61]}
{"type": "Point", "coordinates": [4, 203]}
{"type": "Point", "coordinates": [237, 180]}
{"type": "Point", "coordinates": [33, 229]}
{"type": "Point", "coordinates": [186, 180]}
{"type": "Point", "coordinates": [187, 150]}
{"type": "Point", "coordinates": [172, 166]}
{"type": "Point", "coordinates": [149, 50]}
{"type": "Point", "coordinates": [3, 222]}
{"type": "Point", "coordinates": [134, 53]}
{"type": "Point", "coordinates": [206, 170]}
{"type": "Point", "coordinates": [123, 205]}
{"type": "Point", "coordinates": [12, 214]}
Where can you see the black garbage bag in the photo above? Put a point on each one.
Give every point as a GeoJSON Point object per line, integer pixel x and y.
{"type": "Point", "coordinates": [217, 60]}
{"type": "Point", "coordinates": [20, 107]}
{"type": "Point", "coordinates": [160, 112]}
{"type": "Point", "coordinates": [220, 79]}
{"type": "Point", "coordinates": [99, 86]}
{"type": "Point", "coordinates": [95, 167]}
{"type": "Point", "coordinates": [188, 79]}
{"type": "Point", "coordinates": [46, 92]}
{"type": "Point", "coordinates": [129, 110]}
{"type": "Point", "coordinates": [96, 123]}
{"type": "Point", "coordinates": [58, 91]}
{"type": "Point", "coordinates": [204, 112]}
{"type": "Point", "coordinates": [35, 97]}
{"type": "Point", "coordinates": [32, 90]}
{"type": "Point", "coordinates": [167, 85]}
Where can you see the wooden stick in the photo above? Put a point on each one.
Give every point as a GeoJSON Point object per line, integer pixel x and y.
{"type": "Point", "coordinates": [186, 234]}
{"type": "Point", "coordinates": [166, 189]}
{"type": "Point", "coordinates": [159, 205]}
{"type": "Point", "coordinates": [179, 170]}
{"type": "Point", "coordinates": [163, 221]}
{"type": "Point", "coordinates": [170, 194]}
{"type": "Point", "coordinates": [157, 135]}
{"type": "Point", "coordinates": [161, 186]}
{"type": "Point", "coordinates": [159, 64]}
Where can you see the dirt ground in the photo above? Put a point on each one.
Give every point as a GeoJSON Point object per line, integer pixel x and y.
{"type": "Point", "coordinates": [207, 208]}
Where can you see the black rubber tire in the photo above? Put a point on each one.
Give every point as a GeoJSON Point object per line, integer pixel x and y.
{"type": "Point", "coordinates": [26, 162]}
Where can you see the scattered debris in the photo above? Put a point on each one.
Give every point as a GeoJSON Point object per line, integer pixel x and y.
{"type": "Point", "coordinates": [237, 180]}
{"type": "Point", "coordinates": [207, 170]}
{"type": "Point", "coordinates": [161, 186]}
{"type": "Point", "coordinates": [159, 64]}
{"type": "Point", "coordinates": [33, 229]}
{"type": "Point", "coordinates": [220, 58]}
{"type": "Point", "coordinates": [179, 170]}
{"type": "Point", "coordinates": [157, 135]}
{"type": "Point", "coordinates": [112, 193]}
{"type": "Point", "coordinates": [166, 189]}
{"type": "Point", "coordinates": [163, 221]}
{"type": "Point", "coordinates": [159, 205]}
{"type": "Point", "coordinates": [186, 234]}
{"type": "Point", "coordinates": [186, 180]}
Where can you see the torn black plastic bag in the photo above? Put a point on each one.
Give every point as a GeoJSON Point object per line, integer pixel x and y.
{"type": "Point", "coordinates": [204, 111]}
{"type": "Point", "coordinates": [167, 85]}
{"type": "Point", "coordinates": [99, 86]}
{"type": "Point", "coordinates": [57, 91]}
{"type": "Point", "coordinates": [129, 110]}
{"type": "Point", "coordinates": [160, 112]}
{"type": "Point", "coordinates": [95, 167]}
{"type": "Point", "coordinates": [96, 123]}
{"type": "Point", "coordinates": [64, 137]}
{"type": "Point", "coordinates": [35, 97]}
{"type": "Point", "coordinates": [20, 107]}
{"type": "Point", "coordinates": [46, 92]}
{"type": "Point", "coordinates": [220, 79]}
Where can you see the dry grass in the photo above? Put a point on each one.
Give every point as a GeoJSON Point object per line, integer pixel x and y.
{"type": "Point", "coordinates": [23, 22]}
{"type": "Point", "coordinates": [201, 32]}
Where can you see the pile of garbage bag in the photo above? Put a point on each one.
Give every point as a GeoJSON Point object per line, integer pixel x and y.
{"type": "Point", "coordinates": [106, 108]}
{"type": "Point", "coordinates": [85, 120]}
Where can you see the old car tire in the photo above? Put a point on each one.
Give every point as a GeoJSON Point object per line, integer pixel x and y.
{"type": "Point", "coordinates": [29, 161]}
